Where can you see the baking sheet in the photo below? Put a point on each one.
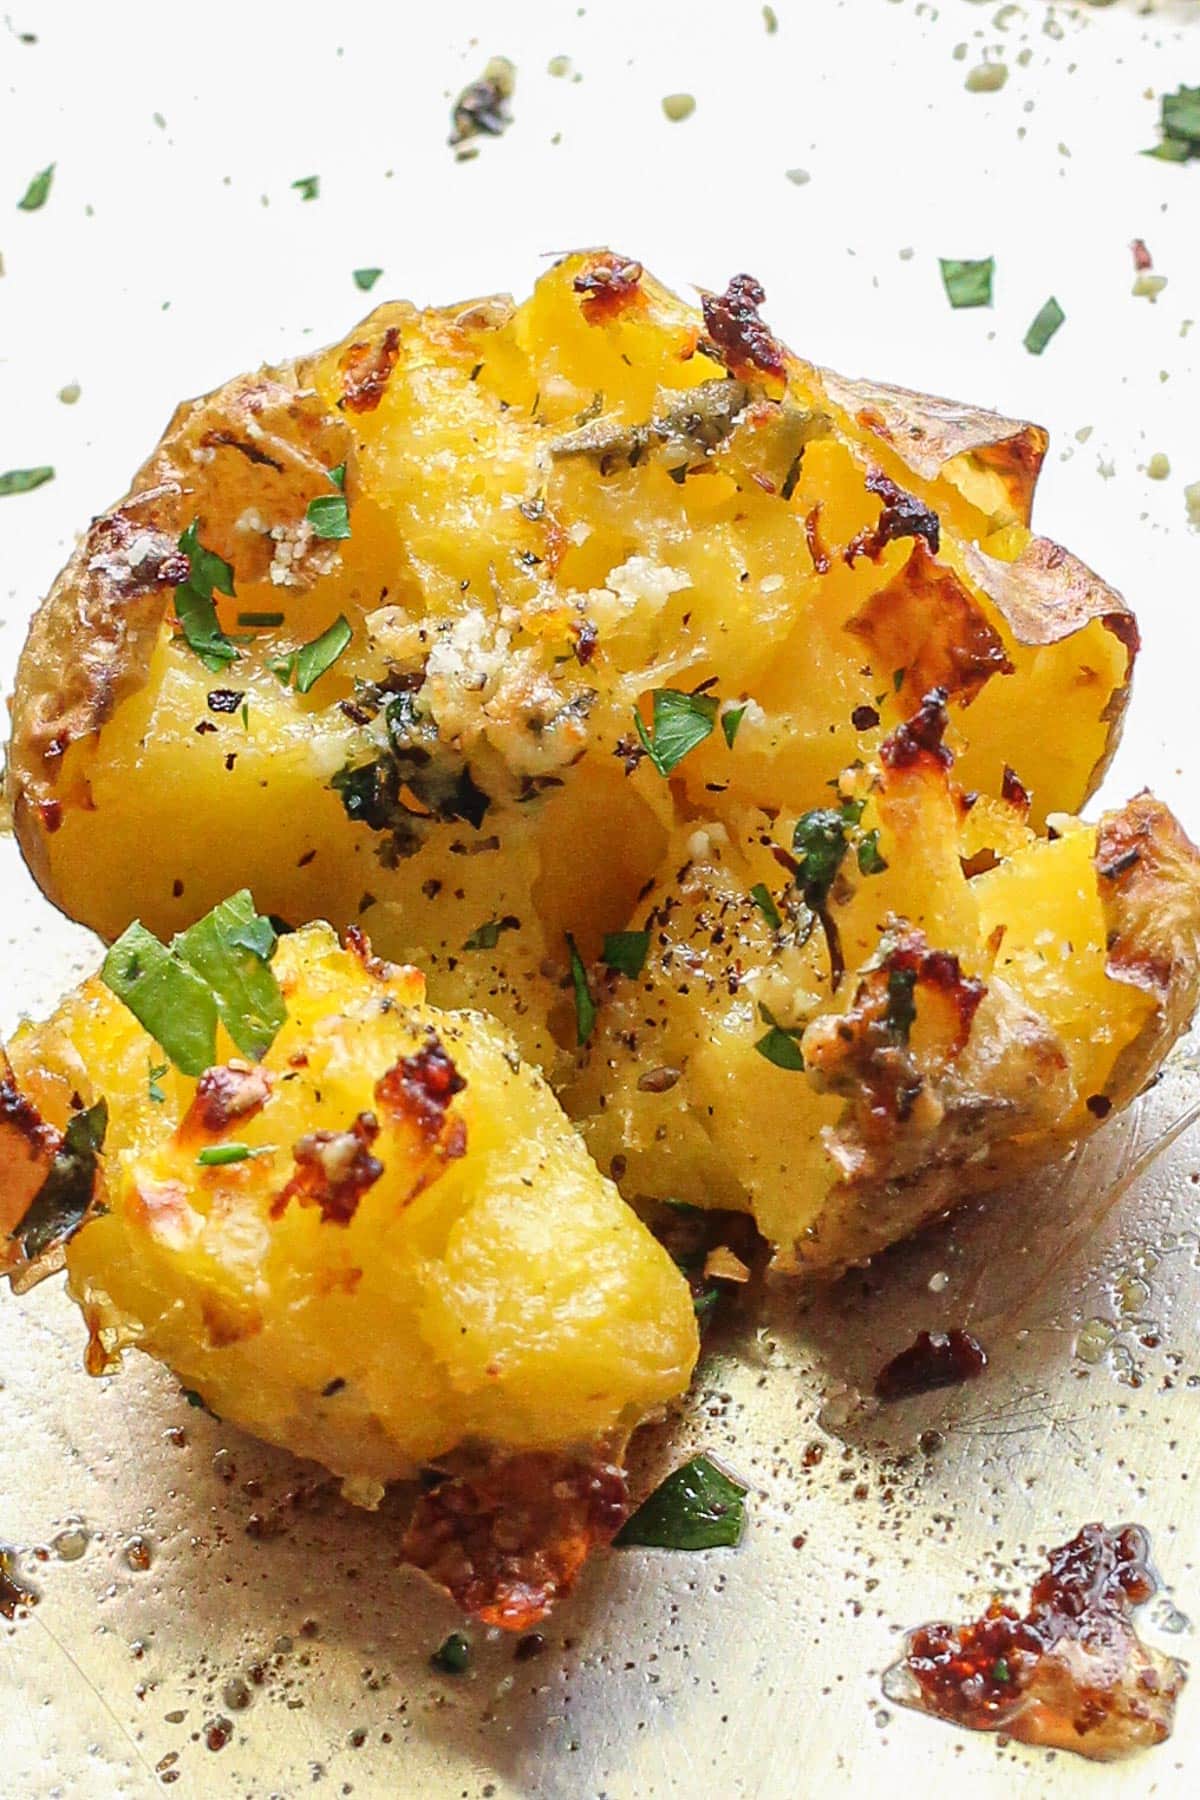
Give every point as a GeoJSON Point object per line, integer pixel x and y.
{"type": "Point", "coordinates": [273, 1622]}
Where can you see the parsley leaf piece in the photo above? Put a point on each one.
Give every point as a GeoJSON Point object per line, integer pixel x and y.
{"type": "Point", "coordinates": [697, 1507]}
{"type": "Point", "coordinates": [308, 187]}
{"type": "Point", "coordinates": [329, 515]}
{"type": "Point", "coordinates": [1180, 122]}
{"type": "Point", "coordinates": [680, 722]}
{"type": "Point", "coordinates": [195, 607]}
{"type": "Point", "coordinates": [365, 279]}
{"type": "Point", "coordinates": [781, 1043]}
{"type": "Point", "coordinates": [870, 862]}
{"type": "Point", "coordinates": [819, 844]}
{"type": "Point", "coordinates": [585, 1006]}
{"type": "Point", "coordinates": [174, 1004]}
{"type": "Point", "coordinates": [264, 619]}
{"type": "Point", "coordinates": [760, 893]}
{"type": "Point", "coordinates": [1044, 327]}
{"type": "Point", "coordinates": [228, 950]}
{"type": "Point", "coordinates": [38, 191]}
{"type": "Point", "coordinates": [23, 481]}
{"type": "Point", "coordinates": [731, 719]}
{"type": "Point", "coordinates": [901, 1007]}
{"type": "Point", "coordinates": [487, 935]}
{"type": "Point", "coordinates": [215, 1156]}
{"type": "Point", "coordinates": [625, 951]}
{"type": "Point", "coordinates": [968, 283]}
{"type": "Point", "coordinates": [154, 1074]}
{"type": "Point", "coordinates": [338, 476]}
{"type": "Point", "coordinates": [312, 660]}
{"type": "Point", "coordinates": [61, 1204]}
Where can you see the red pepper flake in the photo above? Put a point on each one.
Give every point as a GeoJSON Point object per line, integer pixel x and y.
{"type": "Point", "coordinates": [1142, 259]}
{"type": "Point", "coordinates": [229, 1091]}
{"type": "Point", "coordinates": [934, 1359]}
{"type": "Point", "coordinates": [334, 1169]}
{"type": "Point", "coordinates": [741, 339]}
{"type": "Point", "coordinates": [607, 286]}
{"type": "Point", "coordinates": [902, 515]}
{"type": "Point", "coordinates": [419, 1089]}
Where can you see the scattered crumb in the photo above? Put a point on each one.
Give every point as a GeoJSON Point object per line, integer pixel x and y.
{"type": "Point", "coordinates": [679, 106]}
{"type": "Point", "coordinates": [559, 66]}
{"type": "Point", "coordinates": [770, 20]}
{"type": "Point", "coordinates": [987, 78]}
{"type": "Point", "coordinates": [1191, 499]}
{"type": "Point", "coordinates": [1149, 287]}
{"type": "Point", "coordinates": [70, 394]}
{"type": "Point", "coordinates": [1159, 466]}
{"type": "Point", "coordinates": [799, 177]}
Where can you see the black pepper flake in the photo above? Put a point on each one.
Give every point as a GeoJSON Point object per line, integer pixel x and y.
{"type": "Point", "coordinates": [204, 727]}
{"type": "Point", "coordinates": [225, 700]}
{"type": "Point", "coordinates": [1099, 1105]}
{"type": "Point", "coordinates": [864, 718]}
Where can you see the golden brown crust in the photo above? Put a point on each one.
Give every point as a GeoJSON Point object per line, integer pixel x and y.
{"type": "Point", "coordinates": [929, 434]}
{"type": "Point", "coordinates": [91, 640]}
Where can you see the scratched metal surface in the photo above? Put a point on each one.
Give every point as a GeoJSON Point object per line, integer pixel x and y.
{"type": "Point", "coordinates": [748, 1673]}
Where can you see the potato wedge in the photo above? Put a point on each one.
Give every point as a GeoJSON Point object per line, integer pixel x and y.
{"type": "Point", "coordinates": [381, 1246]}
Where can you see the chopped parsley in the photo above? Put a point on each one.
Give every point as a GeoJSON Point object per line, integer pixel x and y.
{"type": "Point", "coordinates": [780, 1044]}
{"type": "Point", "coordinates": [760, 893]}
{"type": "Point", "coordinates": [218, 969]}
{"type": "Point", "coordinates": [731, 719]}
{"type": "Point", "coordinates": [1180, 124]}
{"type": "Point", "coordinates": [901, 1006]}
{"type": "Point", "coordinates": [215, 1156]}
{"type": "Point", "coordinates": [1000, 1670]}
{"type": "Point", "coordinates": [365, 279]}
{"type": "Point", "coordinates": [338, 476]}
{"type": "Point", "coordinates": [697, 1507]}
{"type": "Point", "coordinates": [23, 481]}
{"type": "Point", "coordinates": [819, 845]}
{"type": "Point", "coordinates": [454, 1655]}
{"type": "Point", "coordinates": [308, 187]}
{"type": "Point", "coordinates": [329, 515]}
{"type": "Point", "coordinates": [195, 607]}
{"type": "Point", "coordinates": [585, 1006]}
{"type": "Point", "coordinates": [870, 862]}
{"type": "Point", "coordinates": [60, 1205]}
{"type": "Point", "coordinates": [625, 951]}
{"type": "Point", "coordinates": [487, 935]}
{"type": "Point", "coordinates": [1044, 327]}
{"type": "Point", "coordinates": [968, 283]}
{"type": "Point", "coordinates": [680, 722]}
{"type": "Point", "coordinates": [264, 619]}
{"type": "Point", "coordinates": [154, 1074]}
{"type": "Point", "coordinates": [311, 661]}
{"type": "Point", "coordinates": [38, 191]}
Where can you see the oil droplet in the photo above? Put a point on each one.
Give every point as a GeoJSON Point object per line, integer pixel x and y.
{"type": "Point", "coordinates": [71, 1542]}
{"type": "Point", "coordinates": [236, 1694]}
{"type": "Point", "coordinates": [137, 1553]}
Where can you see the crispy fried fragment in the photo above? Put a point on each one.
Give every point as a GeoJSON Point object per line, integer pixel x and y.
{"type": "Point", "coordinates": [607, 286]}
{"type": "Point", "coordinates": [365, 369]}
{"type": "Point", "coordinates": [924, 622]}
{"type": "Point", "coordinates": [1072, 1674]}
{"type": "Point", "coordinates": [334, 1169]}
{"type": "Point", "coordinates": [919, 739]}
{"type": "Point", "coordinates": [902, 515]}
{"type": "Point", "coordinates": [28, 1147]}
{"type": "Point", "coordinates": [233, 1090]}
{"type": "Point", "coordinates": [418, 1090]}
{"type": "Point", "coordinates": [742, 341]}
{"type": "Point", "coordinates": [508, 1541]}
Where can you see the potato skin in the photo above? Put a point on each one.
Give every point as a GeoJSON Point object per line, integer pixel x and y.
{"type": "Point", "coordinates": [557, 508]}
{"type": "Point", "coordinates": [408, 1266]}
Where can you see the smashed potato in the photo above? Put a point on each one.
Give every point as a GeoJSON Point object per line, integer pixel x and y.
{"type": "Point", "coordinates": [381, 1246]}
{"type": "Point", "coordinates": [542, 638]}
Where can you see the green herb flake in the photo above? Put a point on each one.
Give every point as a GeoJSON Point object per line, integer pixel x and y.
{"type": "Point", "coordinates": [338, 476]}
{"type": "Point", "coordinates": [704, 1304]}
{"type": "Point", "coordinates": [329, 516]}
{"type": "Point", "coordinates": [697, 1507]}
{"type": "Point", "coordinates": [195, 607]}
{"type": "Point", "coordinates": [487, 935]}
{"type": "Point", "coordinates": [215, 1156]}
{"type": "Point", "coordinates": [154, 1074]}
{"type": "Point", "coordinates": [626, 951]}
{"type": "Point", "coordinates": [968, 283]}
{"type": "Point", "coordinates": [819, 844]}
{"type": "Point", "coordinates": [1180, 123]}
{"type": "Point", "coordinates": [901, 1006]}
{"type": "Point", "coordinates": [61, 1204]}
{"type": "Point", "coordinates": [731, 719]}
{"type": "Point", "coordinates": [1044, 327]}
{"type": "Point", "coordinates": [779, 1045]}
{"type": "Point", "coordinates": [1000, 1670]}
{"type": "Point", "coordinates": [760, 893]}
{"type": "Point", "coordinates": [263, 619]}
{"type": "Point", "coordinates": [308, 187]}
{"type": "Point", "coordinates": [870, 862]}
{"type": "Point", "coordinates": [218, 968]}
{"type": "Point", "coordinates": [365, 279]}
{"type": "Point", "coordinates": [38, 191]}
{"type": "Point", "coordinates": [453, 1657]}
{"type": "Point", "coordinates": [585, 1006]}
{"type": "Point", "coordinates": [312, 660]}
{"type": "Point", "coordinates": [680, 722]}
{"type": "Point", "coordinates": [23, 481]}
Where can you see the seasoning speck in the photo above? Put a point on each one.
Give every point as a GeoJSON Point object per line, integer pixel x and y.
{"type": "Point", "coordinates": [799, 177]}
{"type": "Point", "coordinates": [70, 394]}
{"type": "Point", "coordinates": [1147, 286]}
{"type": "Point", "coordinates": [678, 106]}
{"type": "Point", "coordinates": [986, 78]}
{"type": "Point", "coordinates": [1159, 466]}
